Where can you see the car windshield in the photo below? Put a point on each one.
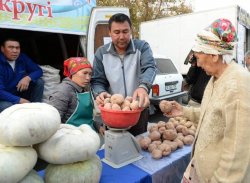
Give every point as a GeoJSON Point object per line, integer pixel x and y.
{"type": "Point", "coordinates": [165, 66]}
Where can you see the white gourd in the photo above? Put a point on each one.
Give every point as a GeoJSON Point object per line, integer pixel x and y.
{"type": "Point", "coordinates": [69, 144]}
{"type": "Point", "coordinates": [27, 124]}
{"type": "Point", "coordinates": [32, 177]}
{"type": "Point", "coordinates": [88, 171]}
{"type": "Point", "coordinates": [16, 163]}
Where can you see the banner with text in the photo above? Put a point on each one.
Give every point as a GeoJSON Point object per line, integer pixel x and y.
{"type": "Point", "coordinates": [64, 16]}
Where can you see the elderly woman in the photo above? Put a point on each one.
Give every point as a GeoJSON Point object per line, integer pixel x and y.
{"type": "Point", "coordinates": [72, 97]}
{"type": "Point", "coordinates": [221, 150]}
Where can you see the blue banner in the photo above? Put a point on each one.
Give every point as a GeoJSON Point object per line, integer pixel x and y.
{"type": "Point", "coordinates": [65, 16]}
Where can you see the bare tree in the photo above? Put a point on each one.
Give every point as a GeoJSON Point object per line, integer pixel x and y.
{"type": "Point", "coordinates": [144, 10]}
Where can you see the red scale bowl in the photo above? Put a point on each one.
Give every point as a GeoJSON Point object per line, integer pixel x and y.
{"type": "Point", "coordinates": [119, 119]}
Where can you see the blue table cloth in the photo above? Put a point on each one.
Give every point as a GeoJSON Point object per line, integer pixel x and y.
{"type": "Point", "coordinates": [169, 169]}
{"type": "Point", "coordinates": [126, 174]}
{"type": "Point", "coordinates": [147, 170]}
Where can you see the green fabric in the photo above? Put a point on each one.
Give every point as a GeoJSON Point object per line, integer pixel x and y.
{"type": "Point", "coordinates": [83, 113]}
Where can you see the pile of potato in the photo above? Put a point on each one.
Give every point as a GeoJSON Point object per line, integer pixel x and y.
{"type": "Point", "coordinates": [165, 137]}
{"type": "Point", "coordinates": [119, 103]}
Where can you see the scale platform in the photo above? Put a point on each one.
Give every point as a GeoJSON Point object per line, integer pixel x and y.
{"type": "Point", "coordinates": [121, 148]}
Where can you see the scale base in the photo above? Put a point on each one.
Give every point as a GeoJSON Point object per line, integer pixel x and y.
{"type": "Point", "coordinates": [122, 164]}
{"type": "Point", "coordinates": [121, 148]}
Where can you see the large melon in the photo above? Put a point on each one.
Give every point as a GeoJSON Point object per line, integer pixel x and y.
{"type": "Point", "coordinates": [88, 171]}
{"type": "Point", "coordinates": [69, 144]}
{"type": "Point", "coordinates": [32, 177]}
{"type": "Point", "coordinates": [16, 163]}
{"type": "Point", "coordinates": [27, 124]}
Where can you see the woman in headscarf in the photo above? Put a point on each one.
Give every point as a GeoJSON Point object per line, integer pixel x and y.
{"type": "Point", "coordinates": [221, 150]}
{"type": "Point", "coordinates": [72, 97]}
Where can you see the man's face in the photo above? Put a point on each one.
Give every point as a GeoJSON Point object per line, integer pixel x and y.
{"type": "Point", "coordinates": [11, 50]}
{"type": "Point", "coordinates": [120, 34]}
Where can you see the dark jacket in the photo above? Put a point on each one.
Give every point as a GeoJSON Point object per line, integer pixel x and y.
{"type": "Point", "coordinates": [64, 99]}
{"type": "Point", "coordinates": [9, 79]}
{"type": "Point", "coordinates": [198, 78]}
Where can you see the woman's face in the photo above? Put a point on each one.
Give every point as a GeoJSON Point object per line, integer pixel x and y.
{"type": "Point", "coordinates": [82, 77]}
{"type": "Point", "coordinates": [207, 62]}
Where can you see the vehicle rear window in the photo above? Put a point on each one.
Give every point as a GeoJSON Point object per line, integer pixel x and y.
{"type": "Point", "coordinates": [165, 66]}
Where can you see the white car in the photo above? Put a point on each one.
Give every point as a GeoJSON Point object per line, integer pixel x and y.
{"type": "Point", "coordinates": [167, 84]}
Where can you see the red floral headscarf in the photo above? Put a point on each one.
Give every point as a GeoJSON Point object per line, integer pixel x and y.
{"type": "Point", "coordinates": [219, 38]}
{"type": "Point", "coordinates": [224, 29]}
{"type": "Point", "coordinates": [74, 64]}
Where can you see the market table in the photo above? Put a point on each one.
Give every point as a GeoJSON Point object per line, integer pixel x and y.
{"type": "Point", "coordinates": [166, 170]}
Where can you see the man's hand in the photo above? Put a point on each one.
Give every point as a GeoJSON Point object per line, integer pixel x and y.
{"type": "Point", "coordinates": [100, 98]}
{"type": "Point", "coordinates": [22, 101]}
{"type": "Point", "coordinates": [142, 95]}
{"type": "Point", "coordinates": [23, 84]}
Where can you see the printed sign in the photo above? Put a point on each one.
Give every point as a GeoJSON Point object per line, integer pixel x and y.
{"type": "Point", "coordinates": [64, 16]}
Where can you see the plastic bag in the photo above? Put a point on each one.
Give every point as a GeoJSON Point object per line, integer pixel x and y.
{"type": "Point", "coordinates": [51, 79]}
